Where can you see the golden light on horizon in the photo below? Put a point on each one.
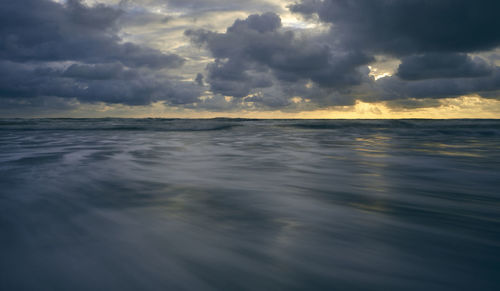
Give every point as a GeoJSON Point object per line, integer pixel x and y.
{"type": "Point", "coordinates": [461, 107]}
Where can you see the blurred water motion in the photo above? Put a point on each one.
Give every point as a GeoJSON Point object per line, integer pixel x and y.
{"type": "Point", "coordinates": [223, 204]}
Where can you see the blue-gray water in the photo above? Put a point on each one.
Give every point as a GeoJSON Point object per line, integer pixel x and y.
{"type": "Point", "coordinates": [155, 204]}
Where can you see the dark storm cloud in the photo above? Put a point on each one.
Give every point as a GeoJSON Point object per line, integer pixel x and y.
{"type": "Point", "coordinates": [256, 50]}
{"type": "Point", "coordinates": [431, 38]}
{"type": "Point", "coordinates": [258, 53]}
{"type": "Point", "coordinates": [93, 83]}
{"type": "Point", "coordinates": [396, 88]}
{"type": "Point", "coordinates": [38, 38]}
{"type": "Point", "coordinates": [438, 65]}
{"type": "Point", "coordinates": [72, 51]}
{"type": "Point", "coordinates": [410, 26]}
{"type": "Point", "coordinates": [41, 30]}
{"type": "Point", "coordinates": [99, 72]}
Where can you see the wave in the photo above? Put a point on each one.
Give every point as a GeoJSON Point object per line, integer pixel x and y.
{"type": "Point", "coordinates": [408, 126]}
{"type": "Point", "coordinates": [113, 124]}
{"type": "Point", "coordinates": [489, 127]}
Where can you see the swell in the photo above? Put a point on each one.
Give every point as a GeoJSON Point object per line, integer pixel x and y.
{"type": "Point", "coordinates": [120, 128]}
{"type": "Point", "coordinates": [419, 127]}
{"type": "Point", "coordinates": [114, 125]}
{"type": "Point", "coordinates": [483, 127]}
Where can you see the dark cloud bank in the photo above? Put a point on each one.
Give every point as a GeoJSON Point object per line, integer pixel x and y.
{"type": "Point", "coordinates": [74, 51]}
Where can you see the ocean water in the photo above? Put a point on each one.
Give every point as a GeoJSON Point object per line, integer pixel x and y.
{"type": "Point", "coordinates": [230, 204]}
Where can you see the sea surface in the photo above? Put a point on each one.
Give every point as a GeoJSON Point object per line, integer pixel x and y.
{"type": "Point", "coordinates": [237, 204]}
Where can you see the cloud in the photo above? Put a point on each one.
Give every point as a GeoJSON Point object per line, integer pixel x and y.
{"type": "Point", "coordinates": [436, 65]}
{"type": "Point", "coordinates": [410, 26]}
{"type": "Point", "coordinates": [74, 51]}
{"type": "Point", "coordinates": [99, 72]}
{"type": "Point", "coordinates": [396, 88]}
{"type": "Point", "coordinates": [261, 56]}
{"type": "Point", "coordinates": [197, 7]}
{"type": "Point", "coordinates": [41, 30]}
{"type": "Point", "coordinates": [93, 83]}
{"type": "Point", "coordinates": [432, 39]}
{"type": "Point", "coordinates": [257, 53]}
{"type": "Point", "coordinates": [199, 79]}
{"type": "Point", "coordinates": [260, 61]}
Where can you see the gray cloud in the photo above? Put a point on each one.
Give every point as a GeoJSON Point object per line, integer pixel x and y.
{"type": "Point", "coordinates": [41, 30]}
{"type": "Point", "coordinates": [199, 79]}
{"type": "Point", "coordinates": [396, 88]}
{"type": "Point", "coordinates": [93, 83]}
{"type": "Point", "coordinates": [39, 37]}
{"type": "Point", "coordinates": [99, 72]}
{"type": "Point", "coordinates": [430, 66]}
{"type": "Point", "coordinates": [69, 53]}
{"type": "Point", "coordinates": [431, 38]}
{"type": "Point", "coordinates": [410, 26]}
{"type": "Point", "coordinates": [256, 52]}
{"type": "Point", "coordinates": [197, 7]}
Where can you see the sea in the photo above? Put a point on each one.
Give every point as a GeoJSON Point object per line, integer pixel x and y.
{"type": "Point", "coordinates": [242, 204]}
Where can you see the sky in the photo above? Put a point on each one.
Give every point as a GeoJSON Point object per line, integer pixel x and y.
{"type": "Point", "coordinates": [255, 59]}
